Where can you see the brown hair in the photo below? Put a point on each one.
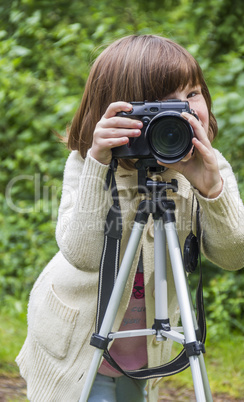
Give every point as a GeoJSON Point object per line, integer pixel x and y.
{"type": "Point", "coordinates": [135, 68]}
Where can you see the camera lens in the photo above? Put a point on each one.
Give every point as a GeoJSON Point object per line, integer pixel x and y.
{"type": "Point", "coordinates": [169, 137]}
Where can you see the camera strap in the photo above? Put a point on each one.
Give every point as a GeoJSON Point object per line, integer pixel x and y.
{"type": "Point", "coordinates": [109, 263]}
{"type": "Point", "coordinates": [109, 266]}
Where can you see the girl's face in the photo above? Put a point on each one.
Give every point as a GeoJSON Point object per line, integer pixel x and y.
{"type": "Point", "coordinates": [193, 94]}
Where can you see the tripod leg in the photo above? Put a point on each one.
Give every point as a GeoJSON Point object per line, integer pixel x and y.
{"type": "Point", "coordinates": [160, 273]}
{"type": "Point", "coordinates": [205, 379]}
{"type": "Point", "coordinates": [113, 305]}
{"type": "Point", "coordinates": [200, 357]}
{"type": "Point", "coordinates": [185, 306]}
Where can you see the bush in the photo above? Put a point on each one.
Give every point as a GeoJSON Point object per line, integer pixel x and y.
{"type": "Point", "coordinates": [46, 49]}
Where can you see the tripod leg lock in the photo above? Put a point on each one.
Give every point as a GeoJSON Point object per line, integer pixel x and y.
{"type": "Point", "coordinates": [99, 341]}
{"type": "Point", "coordinates": [194, 348]}
{"type": "Point", "coordinates": [161, 325]}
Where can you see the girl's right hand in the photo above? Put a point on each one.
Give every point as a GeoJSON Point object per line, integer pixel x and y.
{"type": "Point", "coordinates": [113, 131]}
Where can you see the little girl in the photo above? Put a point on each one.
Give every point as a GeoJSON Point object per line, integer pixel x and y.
{"type": "Point", "coordinates": [56, 355]}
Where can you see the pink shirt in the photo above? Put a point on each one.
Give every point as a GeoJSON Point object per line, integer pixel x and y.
{"type": "Point", "coordinates": [130, 353]}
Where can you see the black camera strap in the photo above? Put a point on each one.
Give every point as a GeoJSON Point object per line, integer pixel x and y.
{"type": "Point", "coordinates": [107, 275]}
{"type": "Point", "coordinates": [109, 263]}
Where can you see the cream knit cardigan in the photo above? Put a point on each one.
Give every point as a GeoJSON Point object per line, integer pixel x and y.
{"type": "Point", "coordinates": [56, 355]}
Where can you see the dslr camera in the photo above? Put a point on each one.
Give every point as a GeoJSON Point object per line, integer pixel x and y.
{"type": "Point", "coordinates": [165, 134]}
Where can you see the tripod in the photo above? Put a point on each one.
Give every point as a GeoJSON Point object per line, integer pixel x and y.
{"type": "Point", "coordinates": [162, 210]}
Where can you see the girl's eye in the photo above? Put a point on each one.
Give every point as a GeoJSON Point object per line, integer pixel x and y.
{"type": "Point", "coordinates": [194, 92]}
{"type": "Point", "coordinates": [191, 94]}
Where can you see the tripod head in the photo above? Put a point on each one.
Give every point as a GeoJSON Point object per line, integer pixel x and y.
{"type": "Point", "coordinates": [157, 204]}
{"type": "Point", "coordinates": [146, 184]}
{"type": "Point", "coordinates": [160, 205]}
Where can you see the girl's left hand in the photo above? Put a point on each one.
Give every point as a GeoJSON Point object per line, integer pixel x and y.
{"type": "Point", "coordinates": [201, 168]}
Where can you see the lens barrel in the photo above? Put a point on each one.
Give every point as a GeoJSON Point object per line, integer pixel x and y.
{"type": "Point", "coordinates": [169, 137]}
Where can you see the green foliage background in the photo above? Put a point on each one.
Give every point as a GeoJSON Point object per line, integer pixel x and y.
{"type": "Point", "coordinates": [46, 49]}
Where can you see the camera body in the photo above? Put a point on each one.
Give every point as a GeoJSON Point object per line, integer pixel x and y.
{"type": "Point", "coordinates": [165, 134]}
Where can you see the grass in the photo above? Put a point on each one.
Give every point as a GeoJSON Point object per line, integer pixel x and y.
{"type": "Point", "coordinates": [224, 358]}
{"type": "Point", "coordinates": [12, 335]}
{"type": "Point", "coordinates": [224, 364]}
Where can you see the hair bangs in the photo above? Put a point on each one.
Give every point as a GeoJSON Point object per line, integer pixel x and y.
{"type": "Point", "coordinates": [174, 68]}
{"type": "Point", "coordinates": [152, 67]}
{"type": "Point", "coordinates": [185, 72]}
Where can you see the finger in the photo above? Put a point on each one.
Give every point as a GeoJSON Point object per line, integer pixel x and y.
{"type": "Point", "coordinates": [120, 132]}
{"type": "Point", "coordinates": [119, 122]}
{"type": "Point", "coordinates": [205, 151]}
{"type": "Point", "coordinates": [198, 129]}
{"type": "Point", "coordinates": [112, 142]}
{"type": "Point", "coordinates": [117, 107]}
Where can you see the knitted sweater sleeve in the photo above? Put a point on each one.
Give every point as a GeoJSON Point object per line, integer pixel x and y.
{"type": "Point", "coordinates": [82, 212]}
{"type": "Point", "coordinates": [222, 222]}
